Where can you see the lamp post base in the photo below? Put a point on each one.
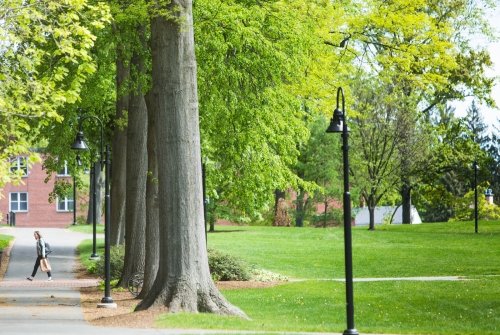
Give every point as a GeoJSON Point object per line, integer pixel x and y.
{"type": "Point", "coordinates": [94, 257]}
{"type": "Point", "coordinates": [350, 332]}
{"type": "Point", "coordinates": [107, 302]}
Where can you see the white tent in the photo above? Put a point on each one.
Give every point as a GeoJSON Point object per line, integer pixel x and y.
{"type": "Point", "coordinates": [383, 214]}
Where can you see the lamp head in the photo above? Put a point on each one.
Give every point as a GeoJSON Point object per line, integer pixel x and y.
{"type": "Point", "coordinates": [336, 122]}
{"type": "Point", "coordinates": [79, 143]}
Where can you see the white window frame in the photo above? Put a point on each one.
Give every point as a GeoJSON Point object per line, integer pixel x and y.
{"type": "Point", "coordinates": [16, 165]}
{"type": "Point", "coordinates": [69, 204]}
{"type": "Point", "coordinates": [65, 171]}
{"type": "Point", "coordinates": [18, 201]}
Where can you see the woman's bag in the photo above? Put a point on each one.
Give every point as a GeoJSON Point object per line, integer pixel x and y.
{"type": "Point", "coordinates": [45, 265]}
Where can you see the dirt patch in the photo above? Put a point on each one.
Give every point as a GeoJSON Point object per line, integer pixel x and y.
{"type": "Point", "coordinates": [122, 316]}
{"type": "Point", "coordinates": [4, 259]}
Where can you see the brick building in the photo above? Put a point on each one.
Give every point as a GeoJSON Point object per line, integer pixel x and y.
{"type": "Point", "coordinates": [30, 199]}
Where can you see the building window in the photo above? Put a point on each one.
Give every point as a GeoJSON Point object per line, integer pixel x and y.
{"type": "Point", "coordinates": [65, 204]}
{"type": "Point", "coordinates": [19, 164]}
{"type": "Point", "coordinates": [18, 202]}
{"type": "Point", "coordinates": [64, 172]}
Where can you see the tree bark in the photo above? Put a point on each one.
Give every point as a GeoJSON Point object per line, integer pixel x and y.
{"type": "Point", "coordinates": [152, 210]}
{"type": "Point", "coordinates": [183, 282]}
{"type": "Point", "coordinates": [90, 211]}
{"type": "Point", "coordinates": [278, 218]}
{"type": "Point", "coordinates": [406, 203]}
{"type": "Point", "coordinates": [372, 204]}
{"type": "Point", "coordinates": [211, 224]}
{"type": "Point", "coordinates": [119, 148]}
{"type": "Point", "coordinates": [371, 212]}
{"type": "Point", "coordinates": [300, 207]}
{"type": "Point", "coordinates": [135, 210]}
{"type": "Point", "coordinates": [325, 212]}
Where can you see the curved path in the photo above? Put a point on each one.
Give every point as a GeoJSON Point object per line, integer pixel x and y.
{"type": "Point", "coordinates": [42, 307]}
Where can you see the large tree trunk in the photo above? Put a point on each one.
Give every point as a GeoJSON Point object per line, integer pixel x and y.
{"type": "Point", "coordinates": [325, 212]}
{"type": "Point", "coordinates": [90, 211]}
{"type": "Point", "coordinates": [370, 201]}
{"type": "Point", "coordinates": [212, 214]}
{"type": "Point", "coordinates": [118, 165]}
{"type": "Point", "coordinates": [183, 282]}
{"type": "Point", "coordinates": [152, 210]}
{"type": "Point", "coordinates": [371, 212]}
{"type": "Point", "coordinates": [406, 129]}
{"type": "Point", "coordinates": [280, 209]}
{"type": "Point", "coordinates": [135, 237]}
{"type": "Point", "coordinates": [300, 208]}
{"type": "Point", "coordinates": [406, 202]}
{"type": "Point", "coordinates": [278, 195]}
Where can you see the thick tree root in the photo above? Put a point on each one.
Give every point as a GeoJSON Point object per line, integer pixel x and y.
{"type": "Point", "coordinates": [181, 298]}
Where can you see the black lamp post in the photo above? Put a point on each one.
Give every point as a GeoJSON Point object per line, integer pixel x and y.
{"type": "Point", "coordinates": [338, 124]}
{"type": "Point", "coordinates": [204, 187]}
{"type": "Point", "coordinates": [74, 201]}
{"type": "Point", "coordinates": [79, 144]}
{"type": "Point", "coordinates": [475, 197]}
{"type": "Point", "coordinates": [93, 174]}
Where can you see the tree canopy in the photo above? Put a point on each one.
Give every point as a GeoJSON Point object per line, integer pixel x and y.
{"type": "Point", "coordinates": [45, 58]}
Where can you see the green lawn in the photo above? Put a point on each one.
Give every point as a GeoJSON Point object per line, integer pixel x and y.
{"type": "Point", "coordinates": [87, 228]}
{"type": "Point", "coordinates": [316, 303]}
{"type": "Point", "coordinates": [390, 251]}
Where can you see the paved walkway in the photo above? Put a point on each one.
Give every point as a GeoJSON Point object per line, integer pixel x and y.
{"type": "Point", "coordinates": [53, 308]}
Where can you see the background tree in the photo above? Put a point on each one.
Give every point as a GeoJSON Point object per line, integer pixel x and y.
{"type": "Point", "coordinates": [423, 49]}
{"type": "Point", "coordinates": [449, 170]}
{"type": "Point", "coordinates": [44, 60]}
{"type": "Point", "coordinates": [255, 62]}
{"type": "Point", "coordinates": [319, 164]}
{"type": "Point", "coordinates": [475, 124]}
{"type": "Point", "coordinates": [137, 169]}
{"type": "Point", "coordinates": [493, 149]}
{"type": "Point", "coordinates": [376, 143]}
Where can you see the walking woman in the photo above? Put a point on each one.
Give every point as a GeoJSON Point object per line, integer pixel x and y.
{"type": "Point", "coordinates": [41, 253]}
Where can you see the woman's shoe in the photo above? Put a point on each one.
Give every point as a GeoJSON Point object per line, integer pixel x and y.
{"type": "Point", "coordinates": [29, 278]}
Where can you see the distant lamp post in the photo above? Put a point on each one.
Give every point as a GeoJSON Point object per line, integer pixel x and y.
{"type": "Point", "coordinates": [78, 163]}
{"type": "Point", "coordinates": [74, 201]}
{"type": "Point", "coordinates": [204, 188]}
{"type": "Point", "coordinates": [475, 198]}
{"type": "Point", "coordinates": [338, 124]}
{"type": "Point", "coordinates": [80, 145]}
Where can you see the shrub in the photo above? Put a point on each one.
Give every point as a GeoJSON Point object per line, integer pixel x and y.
{"type": "Point", "coordinates": [224, 267]}
{"type": "Point", "coordinates": [267, 276]}
{"type": "Point", "coordinates": [333, 217]}
{"type": "Point", "coordinates": [117, 255]}
{"type": "Point", "coordinates": [464, 208]}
